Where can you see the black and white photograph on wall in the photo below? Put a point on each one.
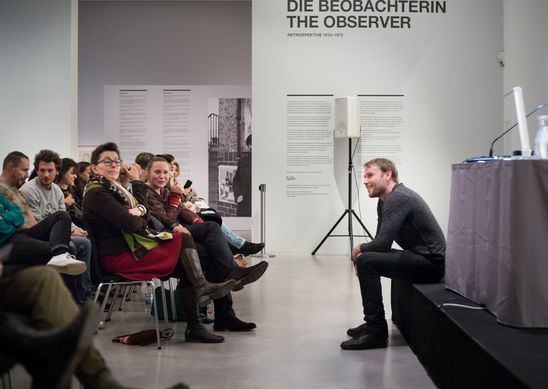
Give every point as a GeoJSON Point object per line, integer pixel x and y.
{"type": "Point", "coordinates": [229, 158]}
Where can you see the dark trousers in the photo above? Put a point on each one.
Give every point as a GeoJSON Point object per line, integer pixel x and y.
{"type": "Point", "coordinates": [36, 245]}
{"type": "Point", "coordinates": [215, 273]}
{"type": "Point", "coordinates": [219, 256]}
{"type": "Point", "coordinates": [399, 264]}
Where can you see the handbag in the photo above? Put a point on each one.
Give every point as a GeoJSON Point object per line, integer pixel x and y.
{"type": "Point", "coordinates": [143, 338]}
{"type": "Point", "coordinates": [210, 215]}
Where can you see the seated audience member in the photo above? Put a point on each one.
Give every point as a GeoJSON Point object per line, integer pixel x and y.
{"type": "Point", "coordinates": [82, 177]}
{"type": "Point", "coordinates": [65, 180]}
{"type": "Point", "coordinates": [238, 245]}
{"type": "Point", "coordinates": [164, 204]}
{"type": "Point", "coordinates": [45, 197]}
{"type": "Point", "coordinates": [404, 218]}
{"type": "Point", "coordinates": [44, 241]}
{"type": "Point", "coordinates": [55, 339]}
{"type": "Point", "coordinates": [142, 159]}
{"type": "Point", "coordinates": [119, 226]}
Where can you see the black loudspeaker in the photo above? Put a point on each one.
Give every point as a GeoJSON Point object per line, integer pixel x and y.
{"type": "Point", "coordinates": [346, 117]}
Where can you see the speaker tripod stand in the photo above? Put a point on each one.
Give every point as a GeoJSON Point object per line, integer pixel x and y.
{"type": "Point", "coordinates": [348, 211]}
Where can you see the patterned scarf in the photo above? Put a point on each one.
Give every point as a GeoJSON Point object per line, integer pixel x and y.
{"type": "Point", "coordinates": [139, 244]}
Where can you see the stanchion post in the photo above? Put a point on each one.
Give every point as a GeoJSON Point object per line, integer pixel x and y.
{"type": "Point", "coordinates": [263, 254]}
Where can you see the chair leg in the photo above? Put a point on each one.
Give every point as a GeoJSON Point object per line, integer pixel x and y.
{"type": "Point", "coordinates": [126, 288]}
{"type": "Point", "coordinates": [113, 301]}
{"type": "Point", "coordinates": [164, 303]}
{"type": "Point", "coordinates": [155, 303]}
{"type": "Point", "coordinates": [104, 301]}
{"type": "Point", "coordinates": [172, 296]}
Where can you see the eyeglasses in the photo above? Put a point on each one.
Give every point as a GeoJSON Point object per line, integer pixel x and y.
{"type": "Point", "coordinates": [110, 162]}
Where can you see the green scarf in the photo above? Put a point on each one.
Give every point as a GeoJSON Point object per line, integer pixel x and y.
{"type": "Point", "coordinates": [139, 243]}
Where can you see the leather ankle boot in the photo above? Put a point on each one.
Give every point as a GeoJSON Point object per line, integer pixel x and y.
{"type": "Point", "coordinates": [205, 291]}
{"type": "Point", "coordinates": [195, 331]}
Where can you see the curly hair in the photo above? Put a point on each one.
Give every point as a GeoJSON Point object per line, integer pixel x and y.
{"type": "Point", "coordinates": [47, 156]}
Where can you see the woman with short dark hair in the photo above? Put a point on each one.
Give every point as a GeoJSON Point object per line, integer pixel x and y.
{"type": "Point", "coordinates": [118, 224]}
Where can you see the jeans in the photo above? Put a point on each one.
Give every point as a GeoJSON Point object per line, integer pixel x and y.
{"type": "Point", "coordinates": [399, 264]}
{"type": "Point", "coordinates": [82, 249]}
{"type": "Point", "coordinates": [231, 237]}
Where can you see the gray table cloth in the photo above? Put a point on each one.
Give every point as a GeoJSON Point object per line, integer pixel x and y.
{"type": "Point", "coordinates": [497, 239]}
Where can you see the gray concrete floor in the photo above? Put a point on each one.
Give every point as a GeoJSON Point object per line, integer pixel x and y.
{"type": "Point", "coordinates": [302, 306]}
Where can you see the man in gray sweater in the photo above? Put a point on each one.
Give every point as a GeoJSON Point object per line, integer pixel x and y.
{"type": "Point", "coordinates": [404, 218]}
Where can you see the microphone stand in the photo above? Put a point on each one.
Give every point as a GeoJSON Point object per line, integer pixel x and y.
{"type": "Point", "coordinates": [515, 124]}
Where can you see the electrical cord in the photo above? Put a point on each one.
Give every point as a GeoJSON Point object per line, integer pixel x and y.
{"type": "Point", "coordinates": [448, 303]}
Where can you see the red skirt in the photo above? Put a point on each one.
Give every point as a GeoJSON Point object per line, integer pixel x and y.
{"type": "Point", "coordinates": [158, 262]}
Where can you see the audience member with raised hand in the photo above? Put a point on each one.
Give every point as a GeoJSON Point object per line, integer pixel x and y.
{"type": "Point", "coordinates": [45, 197]}
{"type": "Point", "coordinates": [34, 242]}
{"type": "Point", "coordinates": [165, 205]}
{"type": "Point", "coordinates": [126, 247]}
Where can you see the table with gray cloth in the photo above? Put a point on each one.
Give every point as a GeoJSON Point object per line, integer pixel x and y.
{"type": "Point", "coordinates": [497, 239]}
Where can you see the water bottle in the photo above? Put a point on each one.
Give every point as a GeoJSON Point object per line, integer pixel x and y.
{"type": "Point", "coordinates": [541, 141]}
{"type": "Point", "coordinates": [148, 297]}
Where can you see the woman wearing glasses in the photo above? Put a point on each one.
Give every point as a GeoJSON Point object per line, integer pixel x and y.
{"type": "Point", "coordinates": [118, 224]}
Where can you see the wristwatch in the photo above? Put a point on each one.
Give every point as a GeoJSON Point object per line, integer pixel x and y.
{"type": "Point", "coordinates": [143, 209]}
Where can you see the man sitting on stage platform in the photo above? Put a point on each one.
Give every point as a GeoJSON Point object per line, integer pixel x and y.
{"type": "Point", "coordinates": [404, 218]}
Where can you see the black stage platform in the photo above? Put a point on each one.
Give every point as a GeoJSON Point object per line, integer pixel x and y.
{"type": "Point", "coordinates": [463, 348]}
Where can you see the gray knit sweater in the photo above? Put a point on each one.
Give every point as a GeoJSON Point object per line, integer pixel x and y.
{"type": "Point", "coordinates": [405, 218]}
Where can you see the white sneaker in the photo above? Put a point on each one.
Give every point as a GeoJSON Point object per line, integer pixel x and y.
{"type": "Point", "coordinates": [66, 263]}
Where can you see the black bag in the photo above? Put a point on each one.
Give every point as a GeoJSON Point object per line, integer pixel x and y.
{"type": "Point", "coordinates": [211, 215]}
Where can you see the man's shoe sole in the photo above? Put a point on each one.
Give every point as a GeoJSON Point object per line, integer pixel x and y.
{"type": "Point", "coordinates": [252, 276]}
{"type": "Point", "coordinates": [353, 344]}
{"type": "Point", "coordinates": [72, 269]}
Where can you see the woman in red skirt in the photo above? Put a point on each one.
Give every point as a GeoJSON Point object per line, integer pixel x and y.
{"type": "Point", "coordinates": [126, 247]}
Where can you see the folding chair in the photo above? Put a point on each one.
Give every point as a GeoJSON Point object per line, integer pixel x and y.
{"type": "Point", "coordinates": [114, 284]}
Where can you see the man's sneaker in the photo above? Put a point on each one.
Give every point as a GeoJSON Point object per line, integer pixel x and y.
{"type": "Point", "coordinates": [365, 342]}
{"type": "Point", "coordinates": [67, 264]}
{"type": "Point", "coordinates": [358, 331]}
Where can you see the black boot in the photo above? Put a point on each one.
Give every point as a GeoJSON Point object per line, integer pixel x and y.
{"type": "Point", "coordinates": [205, 291]}
{"type": "Point", "coordinates": [46, 354]}
{"type": "Point", "coordinates": [225, 317]}
{"type": "Point", "coordinates": [195, 331]}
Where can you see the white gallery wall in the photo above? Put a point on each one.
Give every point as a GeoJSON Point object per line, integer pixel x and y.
{"type": "Point", "coordinates": [443, 64]}
{"type": "Point", "coordinates": [526, 61]}
{"type": "Point", "coordinates": [38, 59]}
{"type": "Point", "coordinates": [158, 43]}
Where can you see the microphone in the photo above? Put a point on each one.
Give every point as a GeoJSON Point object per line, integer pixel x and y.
{"type": "Point", "coordinates": [515, 124]}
